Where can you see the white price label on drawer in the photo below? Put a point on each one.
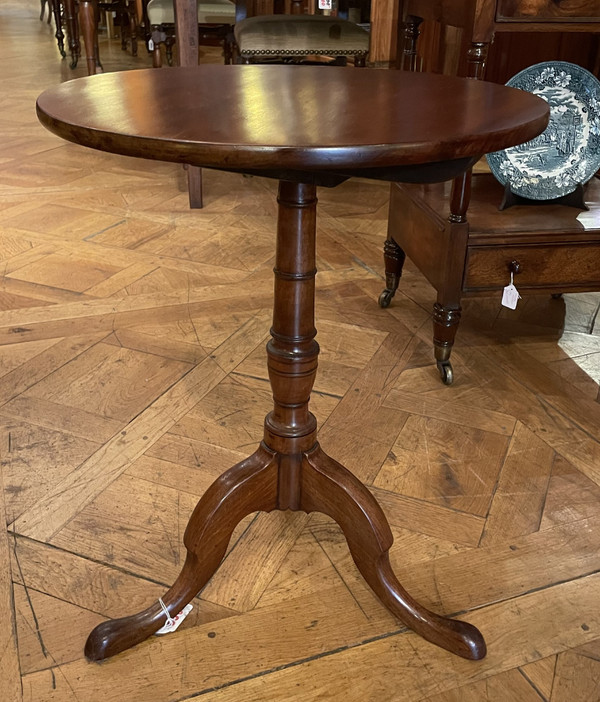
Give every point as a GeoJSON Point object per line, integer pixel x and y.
{"type": "Point", "coordinates": [510, 297]}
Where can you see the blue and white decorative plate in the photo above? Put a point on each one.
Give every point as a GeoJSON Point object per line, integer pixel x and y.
{"type": "Point", "coordinates": [568, 151]}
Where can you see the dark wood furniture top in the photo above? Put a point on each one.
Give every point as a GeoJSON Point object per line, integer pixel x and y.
{"type": "Point", "coordinates": [274, 117]}
{"type": "Point", "coordinates": [306, 126]}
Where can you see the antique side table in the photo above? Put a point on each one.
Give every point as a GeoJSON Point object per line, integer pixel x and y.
{"type": "Point", "coordinates": [307, 127]}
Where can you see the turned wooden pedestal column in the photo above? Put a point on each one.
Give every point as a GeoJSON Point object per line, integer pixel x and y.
{"type": "Point", "coordinates": [289, 470]}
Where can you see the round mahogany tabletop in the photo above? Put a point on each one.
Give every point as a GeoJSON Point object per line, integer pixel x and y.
{"type": "Point", "coordinates": [304, 118]}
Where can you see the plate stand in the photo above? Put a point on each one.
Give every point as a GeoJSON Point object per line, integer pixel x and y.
{"type": "Point", "coordinates": [573, 199]}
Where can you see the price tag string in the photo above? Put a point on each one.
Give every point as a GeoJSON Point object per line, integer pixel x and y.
{"type": "Point", "coordinates": [170, 620]}
{"type": "Point", "coordinates": [172, 623]}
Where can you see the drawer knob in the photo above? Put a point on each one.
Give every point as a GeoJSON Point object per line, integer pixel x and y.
{"type": "Point", "coordinates": [514, 267]}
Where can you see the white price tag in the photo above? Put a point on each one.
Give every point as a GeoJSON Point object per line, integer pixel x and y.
{"type": "Point", "coordinates": [325, 4]}
{"type": "Point", "coordinates": [510, 297]}
{"type": "Point", "coordinates": [173, 624]}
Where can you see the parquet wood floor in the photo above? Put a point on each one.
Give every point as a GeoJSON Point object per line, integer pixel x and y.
{"type": "Point", "coordinates": [130, 325]}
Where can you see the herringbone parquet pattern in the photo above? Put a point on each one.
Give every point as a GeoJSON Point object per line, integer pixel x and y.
{"type": "Point", "coordinates": [132, 372]}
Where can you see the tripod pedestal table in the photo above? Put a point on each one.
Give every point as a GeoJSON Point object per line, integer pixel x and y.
{"type": "Point", "coordinates": [306, 127]}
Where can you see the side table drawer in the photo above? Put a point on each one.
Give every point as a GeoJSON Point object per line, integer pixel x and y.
{"type": "Point", "coordinates": [568, 265]}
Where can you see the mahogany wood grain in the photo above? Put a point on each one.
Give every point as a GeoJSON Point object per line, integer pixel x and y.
{"type": "Point", "coordinates": [310, 126]}
{"type": "Point", "coordinates": [274, 117]}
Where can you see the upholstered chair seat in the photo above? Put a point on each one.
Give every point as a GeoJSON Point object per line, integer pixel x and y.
{"type": "Point", "coordinates": [212, 12]}
{"type": "Point", "coordinates": [215, 20]}
{"type": "Point", "coordinates": [282, 36]}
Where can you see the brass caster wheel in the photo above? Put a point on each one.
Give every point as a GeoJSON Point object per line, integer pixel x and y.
{"type": "Point", "coordinates": [385, 298]}
{"type": "Point", "coordinates": [446, 373]}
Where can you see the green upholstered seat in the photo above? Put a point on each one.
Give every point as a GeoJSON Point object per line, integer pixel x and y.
{"type": "Point", "coordinates": [299, 35]}
{"type": "Point", "coordinates": [210, 12]}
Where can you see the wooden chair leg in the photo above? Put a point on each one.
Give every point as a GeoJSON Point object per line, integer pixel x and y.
{"type": "Point", "coordinates": [133, 29]}
{"type": "Point", "coordinates": [72, 26]}
{"type": "Point", "coordinates": [88, 20]}
{"type": "Point", "coordinates": [157, 37]}
{"type": "Point", "coordinates": [43, 4]}
{"type": "Point", "coordinates": [195, 187]}
{"type": "Point", "coordinates": [54, 9]}
{"type": "Point", "coordinates": [409, 57]}
{"type": "Point", "coordinates": [124, 28]}
{"type": "Point", "coordinates": [228, 47]}
{"type": "Point", "coordinates": [161, 35]}
{"type": "Point", "coordinates": [169, 43]}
